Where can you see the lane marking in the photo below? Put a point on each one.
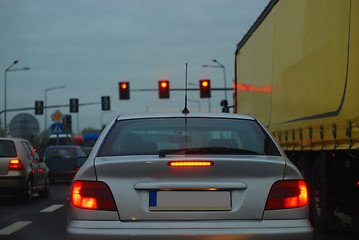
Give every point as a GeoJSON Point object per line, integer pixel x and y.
{"type": "Point", "coordinates": [14, 227]}
{"type": "Point", "coordinates": [52, 208]}
{"type": "Point", "coordinates": [21, 224]}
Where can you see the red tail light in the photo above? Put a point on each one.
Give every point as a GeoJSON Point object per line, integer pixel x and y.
{"type": "Point", "coordinates": [190, 163]}
{"type": "Point", "coordinates": [92, 195]}
{"type": "Point", "coordinates": [287, 194]}
{"type": "Point", "coordinates": [15, 164]}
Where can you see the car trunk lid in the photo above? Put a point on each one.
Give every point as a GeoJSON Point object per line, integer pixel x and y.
{"type": "Point", "coordinates": [4, 165]}
{"type": "Point", "coordinates": [147, 188]}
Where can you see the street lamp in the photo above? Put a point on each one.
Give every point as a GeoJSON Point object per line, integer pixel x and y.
{"type": "Point", "coordinates": [10, 70]}
{"type": "Point", "coordinates": [224, 74]}
{"type": "Point", "coordinates": [46, 90]}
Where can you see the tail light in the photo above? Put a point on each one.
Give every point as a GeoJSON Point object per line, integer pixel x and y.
{"type": "Point", "coordinates": [15, 164]}
{"type": "Point", "coordinates": [287, 194]}
{"type": "Point", "coordinates": [92, 195]}
{"type": "Point", "coordinates": [190, 164]}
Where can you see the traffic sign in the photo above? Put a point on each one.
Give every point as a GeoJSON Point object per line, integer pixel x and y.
{"type": "Point", "coordinates": [57, 128]}
{"type": "Point", "coordinates": [57, 116]}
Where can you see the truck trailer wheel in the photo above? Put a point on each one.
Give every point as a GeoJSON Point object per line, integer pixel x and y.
{"type": "Point", "coordinates": [319, 206]}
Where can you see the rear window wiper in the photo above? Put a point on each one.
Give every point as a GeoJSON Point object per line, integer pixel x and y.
{"type": "Point", "coordinates": [207, 150]}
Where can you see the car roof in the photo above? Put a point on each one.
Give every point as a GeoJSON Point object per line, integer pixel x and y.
{"type": "Point", "coordinates": [13, 139]}
{"type": "Point", "coordinates": [181, 115]}
{"type": "Point", "coordinates": [62, 135]}
{"type": "Point", "coordinates": [64, 146]}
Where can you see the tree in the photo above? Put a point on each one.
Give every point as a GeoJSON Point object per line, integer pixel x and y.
{"type": "Point", "coordinates": [40, 142]}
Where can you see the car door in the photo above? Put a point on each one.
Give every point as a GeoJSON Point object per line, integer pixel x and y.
{"type": "Point", "coordinates": [42, 170]}
{"type": "Point", "coordinates": [34, 164]}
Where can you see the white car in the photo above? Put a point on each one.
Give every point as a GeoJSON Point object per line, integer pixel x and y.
{"type": "Point", "coordinates": [188, 176]}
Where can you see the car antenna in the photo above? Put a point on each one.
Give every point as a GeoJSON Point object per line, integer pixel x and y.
{"type": "Point", "coordinates": [185, 110]}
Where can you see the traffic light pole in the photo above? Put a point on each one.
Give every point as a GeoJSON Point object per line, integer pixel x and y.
{"type": "Point", "coordinates": [45, 107]}
{"type": "Point", "coordinates": [225, 109]}
{"type": "Point", "coordinates": [183, 89]}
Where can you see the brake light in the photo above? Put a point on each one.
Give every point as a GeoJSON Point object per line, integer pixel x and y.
{"type": "Point", "coordinates": [190, 163]}
{"type": "Point", "coordinates": [15, 164]}
{"type": "Point", "coordinates": [92, 195]}
{"type": "Point", "coordinates": [287, 194]}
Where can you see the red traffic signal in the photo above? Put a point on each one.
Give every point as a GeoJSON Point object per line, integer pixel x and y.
{"type": "Point", "coordinates": [205, 88]}
{"type": "Point", "coordinates": [164, 89]}
{"type": "Point", "coordinates": [124, 89]}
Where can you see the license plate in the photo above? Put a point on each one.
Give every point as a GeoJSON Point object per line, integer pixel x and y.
{"type": "Point", "coordinates": [190, 201]}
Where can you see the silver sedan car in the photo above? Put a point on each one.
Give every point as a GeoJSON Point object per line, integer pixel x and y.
{"type": "Point", "coordinates": [188, 176]}
{"type": "Point", "coordinates": [22, 170]}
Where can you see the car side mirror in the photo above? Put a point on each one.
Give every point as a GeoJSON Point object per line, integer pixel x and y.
{"type": "Point", "coordinates": [37, 157]}
{"type": "Point", "coordinates": [80, 161]}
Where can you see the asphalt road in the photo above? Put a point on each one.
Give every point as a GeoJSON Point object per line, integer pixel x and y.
{"type": "Point", "coordinates": [42, 219]}
{"type": "Point", "coordinates": [45, 219]}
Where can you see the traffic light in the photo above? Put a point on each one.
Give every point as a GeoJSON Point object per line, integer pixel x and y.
{"type": "Point", "coordinates": [164, 89]}
{"type": "Point", "coordinates": [205, 88]}
{"type": "Point", "coordinates": [67, 123]}
{"type": "Point", "coordinates": [105, 103]}
{"type": "Point", "coordinates": [74, 105]}
{"type": "Point", "coordinates": [124, 89]}
{"type": "Point", "coordinates": [39, 107]}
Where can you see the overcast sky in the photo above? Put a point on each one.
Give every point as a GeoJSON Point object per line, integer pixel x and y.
{"type": "Point", "coordinates": [91, 45]}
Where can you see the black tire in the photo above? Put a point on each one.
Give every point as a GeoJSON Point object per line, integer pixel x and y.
{"type": "Point", "coordinates": [319, 206]}
{"type": "Point", "coordinates": [26, 195]}
{"type": "Point", "coordinates": [47, 187]}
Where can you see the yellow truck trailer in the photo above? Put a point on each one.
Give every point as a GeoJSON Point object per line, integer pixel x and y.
{"type": "Point", "coordinates": [297, 71]}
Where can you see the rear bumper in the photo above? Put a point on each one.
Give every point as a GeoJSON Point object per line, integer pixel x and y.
{"type": "Point", "coordinates": [268, 229]}
{"type": "Point", "coordinates": [62, 175]}
{"type": "Point", "coordinates": [12, 183]}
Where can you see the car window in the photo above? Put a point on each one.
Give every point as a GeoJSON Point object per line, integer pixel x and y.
{"type": "Point", "coordinates": [149, 136]}
{"type": "Point", "coordinates": [29, 150]}
{"type": "Point", "coordinates": [37, 157]}
{"type": "Point", "coordinates": [61, 153]}
{"type": "Point", "coordinates": [82, 152]}
{"type": "Point", "coordinates": [7, 148]}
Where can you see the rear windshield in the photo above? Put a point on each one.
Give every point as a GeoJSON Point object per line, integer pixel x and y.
{"type": "Point", "coordinates": [61, 153]}
{"type": "Point", "coordinates": [7, 148]}
{"type": "Point", "coordinates": [187, 135]}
